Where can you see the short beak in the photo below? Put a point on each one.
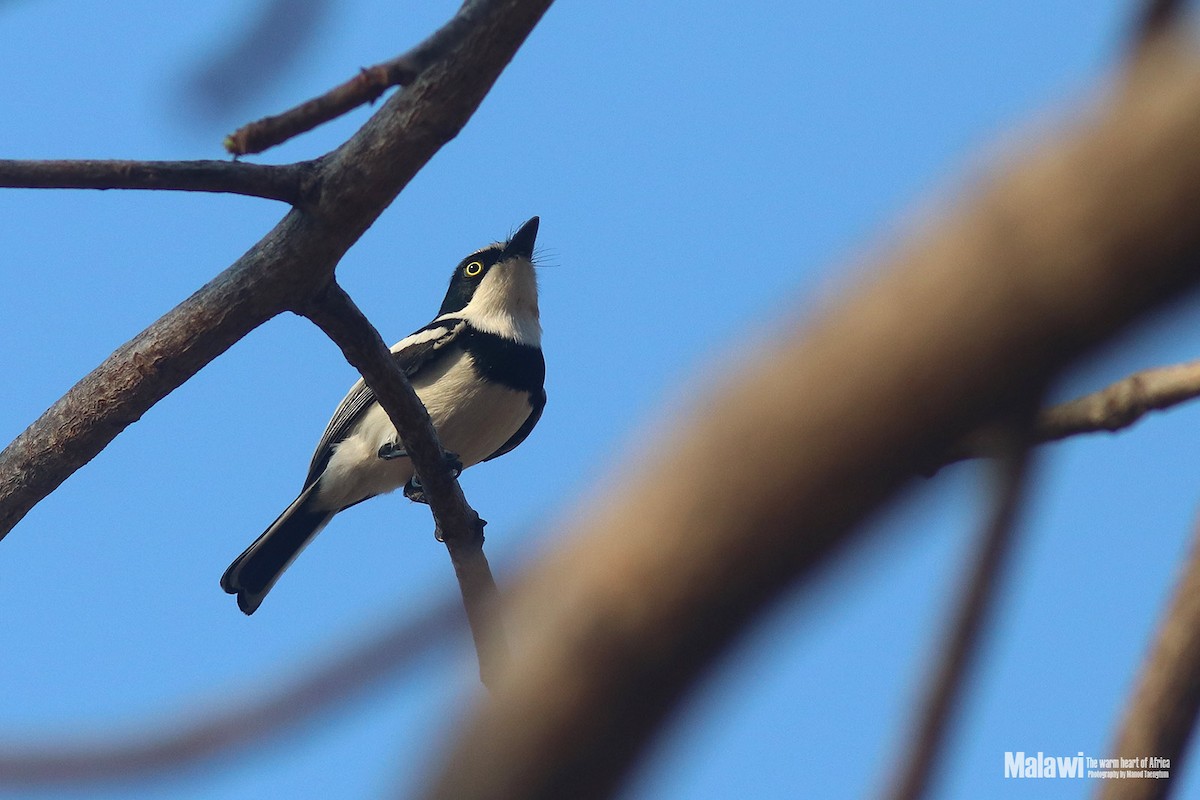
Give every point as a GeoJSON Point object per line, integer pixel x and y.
{"type": "Point", "coordinates": [521, 243]}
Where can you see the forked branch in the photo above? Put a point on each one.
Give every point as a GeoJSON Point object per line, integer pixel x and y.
{"type": "Point", "coordinates": [363, 88]}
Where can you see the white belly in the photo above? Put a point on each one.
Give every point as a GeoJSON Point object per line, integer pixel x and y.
{"type": "Point", "coordinates": [473, 420]}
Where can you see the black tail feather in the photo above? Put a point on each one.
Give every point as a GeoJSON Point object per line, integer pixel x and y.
{"type": "Point", "coordinates": [254, 572]}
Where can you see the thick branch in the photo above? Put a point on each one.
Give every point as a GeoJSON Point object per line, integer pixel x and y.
{"type": "Point", "coordinates": [286, 182]}
{"type": "Point", "coordinates": [1160, 717]}
{"type": "Point", "coordinates": [357, 182]}
{"type": "Point", "coordinates": [1051, 258]}
{"type": "Point", "coordinates": [146, 369]}
{"type": "Point", "coordinates": [166, 746]}
{"type": "Point", "coordinates": [460, 527]}
{"type": "Point", "coordinates": [363, 88]}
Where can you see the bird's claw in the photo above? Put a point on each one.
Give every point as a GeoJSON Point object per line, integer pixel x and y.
{"type": "Point", "coordinates": [413, 489]}
{"type": "Point", "coordinates": [392, 450]}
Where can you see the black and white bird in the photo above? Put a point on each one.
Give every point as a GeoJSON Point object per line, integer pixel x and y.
{"type": "Point", "coordinates": [478, 368]}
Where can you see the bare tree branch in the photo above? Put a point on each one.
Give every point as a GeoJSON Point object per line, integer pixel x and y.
{"type": "Point", "coordinates": [1123, 403]}
{"type": "Point", "coordinates": [1155, 17]}
{"type": "Point", "coordinates": [1113, 408]}
{"type": "Point", "coordinates": [251, 720]}
{"type": "Point", "coordinates": [286, 182]}
{"type": "Point", "coordinates": [255, 54]}
{"type": "Point", "coordinates": [365, 87]}
{"type": "Point", "coordinates": [459, 526]}
{"type": "Point", "coordinates": [355, 184]}
{"type": "Point", "coordinates": [1053, 256]}
{"type": "Point", "coordinates": [973, 608]}
{"type": "Point", "coordinates": [1160, 716]}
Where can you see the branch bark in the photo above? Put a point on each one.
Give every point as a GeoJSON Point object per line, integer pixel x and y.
{"type": "Point", "coordinates": [363, 88]}
{"type": "Point", "coordinates": [460, 528]}
{"type": "Point", "coordinates": [285, 182]}
{"type": "Point", "coordinates": [1050, 258]}
{"type": "Point", "coordinates": [1160, 717]}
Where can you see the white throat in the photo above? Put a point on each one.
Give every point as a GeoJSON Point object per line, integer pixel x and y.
{"type": "Point", "coordinates": [506, 303]}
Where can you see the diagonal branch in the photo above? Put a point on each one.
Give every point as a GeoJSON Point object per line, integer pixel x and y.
{"type": "Point", "coordinates": [363, 88]}
{"type": "Point", "coordinates": [973, 608]}
{"type": "Point", "coordinates": [460, 527]}
{"type": "Point", "coordinates": [253, 719]}
{"type": "Point", "coordinates": [1160, 718]}
{"type": "Point", "coordinates": [285, 182]}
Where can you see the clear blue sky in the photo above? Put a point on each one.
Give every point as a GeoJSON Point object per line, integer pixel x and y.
{"type": "Point", "coordinates": [702, 173]}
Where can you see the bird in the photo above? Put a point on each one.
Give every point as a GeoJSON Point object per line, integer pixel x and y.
{"type": "Point", "coordinates": [479, 370]}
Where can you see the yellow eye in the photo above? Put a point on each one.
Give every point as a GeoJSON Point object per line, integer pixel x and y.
{"type": "Point", "coordinates": [473, 269]}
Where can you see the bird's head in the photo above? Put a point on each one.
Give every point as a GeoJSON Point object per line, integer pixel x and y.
{"type": "Point", "coordinates": [495, 289]}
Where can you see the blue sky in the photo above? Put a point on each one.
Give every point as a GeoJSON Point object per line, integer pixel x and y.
{"type": "Point", "coordinates": [703, 175]}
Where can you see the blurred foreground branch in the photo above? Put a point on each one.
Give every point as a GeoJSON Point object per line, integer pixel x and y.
{"type": "Point", "coordinates": [973, 607]}
{"type": "Point", "coordinates": [1049, 258]}
{"type": "Point", "coordinates": [251, 720]}
{"type": "Point", "coordinates": [1160, 715]}
{"type": "Point", "coordinates": [365, 87]}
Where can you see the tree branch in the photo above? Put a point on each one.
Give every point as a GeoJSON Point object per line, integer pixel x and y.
{"type": "Point", "coordinates": [363, 88]}
{"type": "Point", "coordinates": [285, 182]}
{"type": "Point", "coordinates": [252, 720]}
{"type": "Point", "coordinates": [954, 329]}
{"type": "Point", "coordinates": [1155, 17]}
{"type": "Point", "coordinates": [1113, 408]}
{"type": "Point", "coordinates": [1121, 404]}
{"type": "Point", "coordinates": [974, 607]}
{"type": "Point", "coordinates": [1160, 716]}
{"type": "Point", "coordinates": [459, 526]}
{"type": "Point", "coordinates": [291, 263]}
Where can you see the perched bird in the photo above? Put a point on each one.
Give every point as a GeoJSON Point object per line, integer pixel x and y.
{"type": "Point", "coordinates": [478, 368]}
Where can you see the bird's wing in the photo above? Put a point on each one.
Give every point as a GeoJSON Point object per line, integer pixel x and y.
{"type": "Point", "coordinates": [411, 353]}
{"type": "Point", "coordinates": [538, 401]}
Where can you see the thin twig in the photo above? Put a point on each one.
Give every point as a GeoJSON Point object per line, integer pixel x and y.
{"type": "Point", "coordinates": [363, 88]}
{"type": "Point", "coordinates": [973, 609]}
{"type": "Point", "coordinates": [1121, 404]}
{"type": "Point", "coordinates": [457, 523]}
{"type": "Point", "coordinates": [282, 182]}
{"type": "Point", "coordinates": [1113, 408]}
{"type": "Point", "coordinates": [1160, 716]}
{"type": "Point", "coordinates": [166, 746]}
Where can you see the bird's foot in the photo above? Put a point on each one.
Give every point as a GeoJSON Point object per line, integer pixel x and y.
{"type": "Point", "coordinates": [413, 489]}
{"type": "Point", "coordinates": [392, 450]}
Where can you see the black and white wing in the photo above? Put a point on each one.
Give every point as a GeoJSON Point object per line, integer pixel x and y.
{"type": "Point", "coordinates": [411, 353]}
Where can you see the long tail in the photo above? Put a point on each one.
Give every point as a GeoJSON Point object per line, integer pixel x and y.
{"type": "Point", "coordinates": [254, 572]}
